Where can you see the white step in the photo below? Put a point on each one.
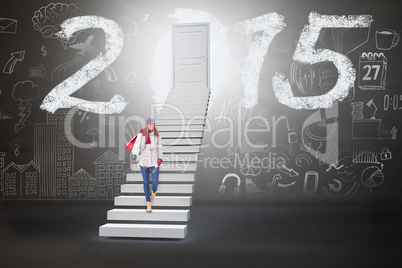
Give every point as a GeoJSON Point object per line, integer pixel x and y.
{"type": "Point", "coordinates": [185, 104]}
{"type": "Point", "coordinates": [142, 215]}
{"type": "Point", "coordinates": [184, 110]}
{"type": "Point", "coordinates": [181, 128]}
{"type": "Point", "coordinates": [176, 100]}
{"type": "Point", "coordinates": [199, 89]}
{"type": "Point", "coordinates": [143, 230]}
{"type": "Point", "coordinates": [162, 188]}
{"type": "Point", "coordinates": [180, 91]}
{"type": "Point", "coordinates": [161, 201]}
{"type": "Point", "coordinates": [163, 177]}
{"type": "Point", "coordinates": [195, 121]}
{"type": "Point", "coordinates": [181, 112]}
{"type": "Point", "coordinates": [193, 96]}
{"type": "Point", "coordinates": [190, 96]}
{"type": "Point", "coordinates": [186, 116]}
{"type": "Point", "coordinates": [182, 149]}
{"type": "Point", "coordinates": [172, 157]}
{"type": "Point", "coordinates": [183, 141]}
{"type": "Point", "coordinates": [182, 134]}
{"type": "Point", "coordinates": [181, 101]}
{"type": "Point", "coordinates": [171, 166]}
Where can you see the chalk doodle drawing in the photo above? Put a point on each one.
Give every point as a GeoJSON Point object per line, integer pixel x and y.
{"type": "Point", "coordinates": [17, 56]}
{"type": "Point", "coordinates": [44, 51]}
{"type": "Point", "coordinates": [48, 18]}
{"type": "Point", "coordinates": [343, 40]}
{"type": "Point", "coordinates": [16, 145]}
{"type": "Point", "coordinates": [133, 78]}
{"type": "Point", "coordinates": [81, 185]}
{"type": "Point", "coordinates": [4, 115]}
{"type": "Point", "coordinates": [372, 177]}
{"type": "Point", "coordinates": [363, 156]}
{"type": "Point", "coordinates": [45, 157]}
{"type": "Point", "coordinates": [372, 71]}
{"type": "Point", "coordinates": [59, 72]}
{"type": "Point", "coordinates": [385, 154]}
{"type": "Point", "coordinates": [286, 170]}
{"type": "Point", "coordinates": [320, 133]}
{"type": "Point", "coordinates": [363, 128]}
{"type": "Point", "coordinates": [64, 150]}
{"type": "Point", "coordinates": [131, 30]}
{"type": "Point", "coordinates": [25, 92]}
{"type": "Point", "coordinates": [38, 71]}
{"type": "Point", "coordinates": [85, 47]}
{"type": "Point", "coordinates": [310, 183]}
{"type": "Point", "coordinates": [109, 174]}
{"type": "Point", "coordinates": [335, 188]}
{"type": "Point", "coordinates": [303, 158]}
{"type": "Point", "coordinates": [8, 26]}
{"type": "Point", "coordinates": [271, 185]}
{"type": "Point", "coordinates": [344, 196]}
{"type": "Point", "coordinates": [21, 181]}
{"type": "Point", "coordinates": [236, 191]}
{"type": "Point", "coordinates": [252, 188]}
{"type": "Point", "coordinates": [93, 131]}
{"type": "Point", "coordinates": [385, 39]}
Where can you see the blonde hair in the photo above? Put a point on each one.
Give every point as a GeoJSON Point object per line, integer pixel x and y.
{"type": "Point", "coordinates": [156, 132]}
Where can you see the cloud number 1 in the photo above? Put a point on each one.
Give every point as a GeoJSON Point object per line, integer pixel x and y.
{"type": "Point", "coordinates": [270, 25]}
{"type": "Point", "coordinates": [60, 97]}
{"type": "Point", "coordinates": [305, 53]}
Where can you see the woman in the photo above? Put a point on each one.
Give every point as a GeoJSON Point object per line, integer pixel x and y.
{"type": "Point", "coordinates": [150, 158]}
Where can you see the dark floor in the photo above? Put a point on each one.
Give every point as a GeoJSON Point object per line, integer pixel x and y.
{"type": "Point", "coordinates": [65, 234]}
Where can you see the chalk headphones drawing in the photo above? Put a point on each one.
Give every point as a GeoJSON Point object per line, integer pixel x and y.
{"type": "Point", "coordinates": [236, 190]}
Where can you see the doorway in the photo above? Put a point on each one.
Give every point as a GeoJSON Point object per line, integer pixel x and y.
{"type": "Point", "coordinates": [191, 56]}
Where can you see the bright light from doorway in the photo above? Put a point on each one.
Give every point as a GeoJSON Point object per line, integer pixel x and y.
{"type": "Point", "coordinates": [161, 68]}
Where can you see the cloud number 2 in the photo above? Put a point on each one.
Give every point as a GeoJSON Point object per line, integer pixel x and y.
{"type": "Point", "coordinates": [60, 97]}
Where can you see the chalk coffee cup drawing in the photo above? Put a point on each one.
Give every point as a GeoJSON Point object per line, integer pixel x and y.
{"type": "Point", "coordinates": [386, 39]}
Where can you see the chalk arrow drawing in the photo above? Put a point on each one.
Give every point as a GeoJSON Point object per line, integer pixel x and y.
{"type": "Point", "coordinates": [333, 188]}
{"type": "Point", "coordinates": [15, 57]}
{"type": "Point", "coordinates": [286, 170]}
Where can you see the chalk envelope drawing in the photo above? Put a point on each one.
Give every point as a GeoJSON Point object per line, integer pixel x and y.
{"type": "Point", "coordinates": [8, 26]}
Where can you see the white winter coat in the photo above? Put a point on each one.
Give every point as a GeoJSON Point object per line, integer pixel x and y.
{"type": "Point", "coordinates": [150, 152]}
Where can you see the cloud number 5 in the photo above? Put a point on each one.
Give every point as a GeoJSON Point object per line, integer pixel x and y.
{"type": "Point", "coordinates": [305, 53]}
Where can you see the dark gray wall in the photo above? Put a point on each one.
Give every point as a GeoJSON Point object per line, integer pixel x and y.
{"type": "Point", "coordinates": [32, 139]}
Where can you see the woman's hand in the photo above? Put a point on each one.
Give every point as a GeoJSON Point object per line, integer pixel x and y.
{"type": "Point", "coordinates": [159, 161]}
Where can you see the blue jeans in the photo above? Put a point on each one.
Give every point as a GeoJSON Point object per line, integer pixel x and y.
{"type": "Point", "coordinates": [145, 177]}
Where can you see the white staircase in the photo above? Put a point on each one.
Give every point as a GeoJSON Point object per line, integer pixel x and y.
{"type": "Point", "coordinates": [181, 128]}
